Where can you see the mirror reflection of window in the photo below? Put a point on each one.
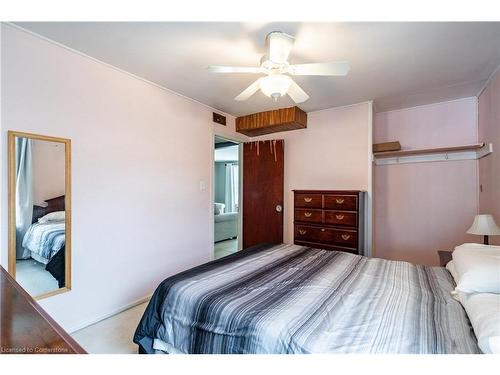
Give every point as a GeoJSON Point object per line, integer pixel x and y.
{"type": "Point", "coordinates": [40, 215]}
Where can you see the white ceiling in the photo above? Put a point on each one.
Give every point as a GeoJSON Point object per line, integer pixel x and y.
{"type": "Point", "coordinates": [396, 64]}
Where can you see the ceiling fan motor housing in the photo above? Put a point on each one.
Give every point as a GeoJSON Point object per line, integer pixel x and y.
{"type": "Point", "coordinates": [271, 67]}
{"type": "Point", "coordinates": [279, 46]}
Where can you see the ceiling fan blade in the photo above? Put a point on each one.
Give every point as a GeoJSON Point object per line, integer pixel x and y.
{"type": "Point", "coordinates": [233, 69]}
{"type": "Point", "coordinates": [296, 93]}
{"type": "Point", "coordinates": [280, 45]}
{"type": "Point", "coordinates": [336, 68]}
{"type": "Point", "coordinates": [249, 91]}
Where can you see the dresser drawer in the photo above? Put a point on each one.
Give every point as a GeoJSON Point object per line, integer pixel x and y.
{"type": "Point", "coordinates": [308, 233]}
{"type": "Point", "coordinates": [309, 215]}
{"type": "Point", "coordinates": [344, 237]}
{"type": "Point", "coordinates": [309, 200]}
{"type": "Point", "coordinates": [330, 236]}
{"type": "Point", "coordinates": [341, 202]}
{"type": "Point", "coordinates": [341, 218]}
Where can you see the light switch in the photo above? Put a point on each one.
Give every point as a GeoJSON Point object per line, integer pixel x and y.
{"type": "Point", "coordinates": [203, 185]}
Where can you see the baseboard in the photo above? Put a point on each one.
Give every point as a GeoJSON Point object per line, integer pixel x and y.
{"type": "Point", "coordinates": [109, 315]}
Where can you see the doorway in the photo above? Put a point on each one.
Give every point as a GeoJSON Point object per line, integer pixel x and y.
{"type": "Point", "coordinates": [263, 192]}
{"type": "Point", "coordinates": [227, 197]}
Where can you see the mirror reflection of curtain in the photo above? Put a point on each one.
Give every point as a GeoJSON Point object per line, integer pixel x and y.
{"type": "Point", "coordinates": [231, 199]}
{"type": "Point", "coordinates": [24, 192]}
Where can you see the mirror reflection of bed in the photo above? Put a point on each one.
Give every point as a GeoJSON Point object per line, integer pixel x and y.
{"type": "Point", "coordinates": [38, 191]}
{"type": "Point", "coordinates": [226, 197]}
{"type": "Point", "coordinates": [40, 266]}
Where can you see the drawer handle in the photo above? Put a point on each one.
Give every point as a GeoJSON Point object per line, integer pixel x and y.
{"type": "Point", "coordinates": [339, 200]}
{"type": "Point", "coordinates": [302, 232]}
{"type": "Point", "coordinates": [345, 237]}
{"type": "Point", "coordinates": [322, 229]}
{"type": "Point", "coordinates": [308, 200]}
{"type": "Point", "coordinates": [339, 217]}
{"type": "Point", "coordinates": [307, 214]}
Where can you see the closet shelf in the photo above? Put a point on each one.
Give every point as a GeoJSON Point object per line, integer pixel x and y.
{"type": "Point", "coordinates": [466, 152]}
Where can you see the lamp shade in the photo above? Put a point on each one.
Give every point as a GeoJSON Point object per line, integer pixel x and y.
{"type": "Point", "coordinates": [484, 225]}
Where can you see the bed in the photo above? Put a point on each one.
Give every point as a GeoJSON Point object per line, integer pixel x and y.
{"type": "Point", "coordinates": [294, 299]}
{"type": "Point", "coordinates": [46, 241]}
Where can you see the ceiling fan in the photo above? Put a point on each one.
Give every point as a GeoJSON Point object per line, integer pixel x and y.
{"type": "Point", "coordinates": [278, 70]}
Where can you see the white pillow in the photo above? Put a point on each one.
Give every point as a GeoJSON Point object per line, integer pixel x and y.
{"type": "Point", "coordinates": [477, 268]}
{"type": "Point", "coordinates": [450, 266]}
{"type": "Point", "coordinates": [219, 208]}
{"type": "Point", "coordinates": [53, 216]}
{"type": "Point", "coordinates": [483, 310]}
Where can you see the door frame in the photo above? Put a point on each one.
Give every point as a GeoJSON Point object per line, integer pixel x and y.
{"type": "Point", "coordinates": [212, 191]}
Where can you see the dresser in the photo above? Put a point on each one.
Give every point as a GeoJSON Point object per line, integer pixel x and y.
{"type": "Point", "coordinates": [25, 328]}
{"type": "Point", "coordinates": [330, 219]}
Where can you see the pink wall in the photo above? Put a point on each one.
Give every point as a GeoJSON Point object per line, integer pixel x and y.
{"type": "Point", "coordinates": [489, 166]}
{"type": "Point", "coordinates": [424, 207]}
{"type": "Point", "coordinates": [332, 153]}
{"type": "Point", "coordinates": [435, 125]}
{"type": "Point", "coordinates": [48, 170]}
{"type": "Point", "coordinates": [139, 153]}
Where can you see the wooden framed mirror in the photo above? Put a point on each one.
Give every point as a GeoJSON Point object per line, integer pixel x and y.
{"type": "Point", "coordinates": [39, 174]}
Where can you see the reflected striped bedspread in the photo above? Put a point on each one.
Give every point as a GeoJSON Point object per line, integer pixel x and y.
{"type": "Point", "coordinates": [45, 239]}
{"type": "Point", "coordinates": [294, 299]}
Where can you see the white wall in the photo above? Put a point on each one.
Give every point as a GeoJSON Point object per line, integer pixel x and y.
{"type": "Point", "coordinates": [139, 153]}
{"type": "Point", "coordinates": [333, 153]}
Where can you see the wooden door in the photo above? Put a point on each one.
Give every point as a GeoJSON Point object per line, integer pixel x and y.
{"type": "Point", "coordinates": [263, 180]}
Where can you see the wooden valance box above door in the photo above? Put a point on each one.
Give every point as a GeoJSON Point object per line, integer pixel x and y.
{"type": "Point", "coordinates": [330, 219]}
{"type": "Point", "coordinates": [272, 121]}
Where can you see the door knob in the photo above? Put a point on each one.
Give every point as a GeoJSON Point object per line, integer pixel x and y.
{"type": "Point", "coordinates": [279, 208]}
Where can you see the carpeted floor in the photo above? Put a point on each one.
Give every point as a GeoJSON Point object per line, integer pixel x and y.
{"type": "Point", "coordinates": [33, 277]}
{"type": "Point", "coordinates": [112, 335]}
{"type": "Point", "coordinates": [223, 248]}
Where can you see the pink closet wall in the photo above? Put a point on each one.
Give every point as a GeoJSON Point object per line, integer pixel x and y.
{"type": "Point", "coordinates": [424, 207]}
{"type": "Point", "coordinates": [489, 166]}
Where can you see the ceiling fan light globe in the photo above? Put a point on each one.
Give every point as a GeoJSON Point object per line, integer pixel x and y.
{"type": "Point", "coordinates": [275, 86]}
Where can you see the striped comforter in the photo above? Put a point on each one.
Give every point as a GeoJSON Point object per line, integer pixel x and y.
{"type": "Point", "coordinates": [294, 299]}
{"type": "Point", "coordinates": [45, 239]}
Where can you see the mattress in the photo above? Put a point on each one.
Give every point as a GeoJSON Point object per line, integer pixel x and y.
{"type": "Point", "coordinates": [294, 299]}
